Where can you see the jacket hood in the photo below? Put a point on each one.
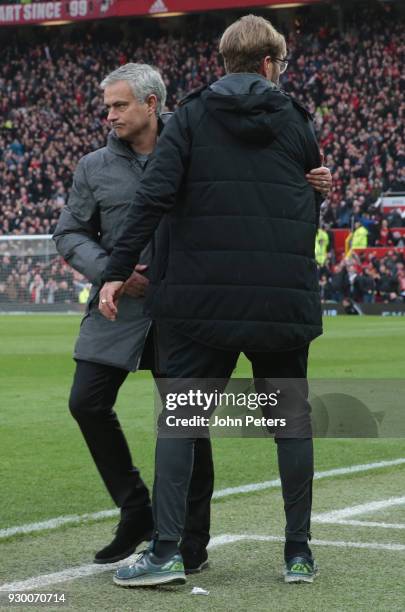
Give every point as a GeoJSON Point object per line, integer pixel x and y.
{"type": "Point", "coordinates": [248, 106]}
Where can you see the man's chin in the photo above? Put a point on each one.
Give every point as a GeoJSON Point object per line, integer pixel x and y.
{"type": "Point", "coordinates": [120, 132]}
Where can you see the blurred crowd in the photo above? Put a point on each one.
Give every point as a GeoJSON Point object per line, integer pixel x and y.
{"type": "Point", "coordinates": [354, 85]}
{"type": "Point", "coordinates": [45, 130]}
{"type": "Point", "coordinates": [362, 275]}
{"type": "Point", "coordinates": [52, 113]}
{"type": "Point", "coordinates": [39, 280]}
{"type": "Point", "coordinates": [366, 279]}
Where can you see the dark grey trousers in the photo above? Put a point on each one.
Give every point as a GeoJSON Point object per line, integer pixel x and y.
{"type": "Point", "coordinates": [93, 395]}
{"type": "Point", "coordinates": [175, 456]}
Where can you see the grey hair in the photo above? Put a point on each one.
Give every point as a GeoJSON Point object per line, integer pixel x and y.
{"type": "Point", "coordinates": [143, 79]}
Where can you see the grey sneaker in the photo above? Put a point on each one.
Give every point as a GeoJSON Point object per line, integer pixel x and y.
{"type": "Point", "coordinates": [300, 569]}
{"type": "Point", "coordinates": [147, 571]}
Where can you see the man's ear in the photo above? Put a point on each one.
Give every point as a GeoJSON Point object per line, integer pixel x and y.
{"type": "Point", "coordinates": [152, 104]}
{"type": "Point", "coordinates": [266, 68]}
{"type": "Point", "coordinates": [262, 69]}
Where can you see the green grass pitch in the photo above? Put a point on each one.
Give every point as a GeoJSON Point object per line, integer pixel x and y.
{"type": "Point", "coordinates": [45, 472]}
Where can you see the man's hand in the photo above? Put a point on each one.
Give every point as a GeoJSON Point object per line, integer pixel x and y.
{"type": "Point", "coordinates": [321, 180]}
{"type": "Point", "coordinates": [109, 296]}
{"type": "Point", "coordinates": [137, 284]}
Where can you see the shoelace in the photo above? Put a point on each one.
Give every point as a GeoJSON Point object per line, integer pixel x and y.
{"type": "Point", "coordinates": [138, 557]}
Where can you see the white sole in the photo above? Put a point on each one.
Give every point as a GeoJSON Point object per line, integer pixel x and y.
{"type": "Point", "coordinates": [298, 579]}
{"type": "Point", "coordinates": [144, 581]}
{"type": "Point", "coordinates": [303, 578]}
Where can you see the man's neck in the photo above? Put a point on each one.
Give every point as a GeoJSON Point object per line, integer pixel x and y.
{"type": "Point", "coordinates": [145, 142]}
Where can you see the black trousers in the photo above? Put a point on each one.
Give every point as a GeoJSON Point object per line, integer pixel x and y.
{"type": "Point", "coordinates": [92, 398]}
{"type": "Point", "coordinates": [175, 456]}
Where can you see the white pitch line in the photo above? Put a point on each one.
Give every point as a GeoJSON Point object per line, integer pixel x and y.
{"type": "Point", "coordinates": [350, 511]}
{"type": "Point", "coordinates": [72, 573]}
{"type": "Point", "coordinates": [57, 522]}
{"type": "Point", "coordinates": [354, 523]}
{"type": "Point", "coordinates": [270, 484]}
{"type": "Point", "coordinates": [54, 523]}
{"type": "Point", "coordinates": [228, 539]}
{"type": "Point", "coordinates": [83, 571]}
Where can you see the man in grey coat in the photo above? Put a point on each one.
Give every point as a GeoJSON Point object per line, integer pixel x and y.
{"type": "Point", "coordinates": [103, 188]}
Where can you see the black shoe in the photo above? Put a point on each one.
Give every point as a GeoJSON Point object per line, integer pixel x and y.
{"type": "Point", "coordinates": [131, 531]}
{"type": "Point", "coordinates": [195, 557]}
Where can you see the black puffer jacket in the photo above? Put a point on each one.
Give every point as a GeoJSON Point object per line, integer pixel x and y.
{"type": "Point", "coordinates": [230, 171]}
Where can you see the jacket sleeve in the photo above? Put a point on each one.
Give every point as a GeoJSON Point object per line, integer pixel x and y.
{"type": "Point", "coordinates": [155, 197]}
{"type": "Point", "coordinates": [309, 152]}
{"type": "Point", "coordinates": [77, 232]}
{"type": "Point", "coordinates": [314, 161]}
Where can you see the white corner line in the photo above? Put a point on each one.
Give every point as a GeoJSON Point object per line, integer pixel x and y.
{"type": "Point", "coordinates": [74, 519]}
{"type": "Point", "coordinates": [350, 511]}
{"type": "Point", "coordinates": [354, 523]}
{"type": "Point", "coordinates": [270, 484]}
{"type": "Point", "coordinates": [84, 571]}
{"type": "Point", "coordinates": [229, 539]}
{"type": "Point", "coordinates": [55, 523]}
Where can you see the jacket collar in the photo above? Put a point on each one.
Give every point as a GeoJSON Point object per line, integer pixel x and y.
{"type": "Point", "coordinates": [118, 146]}
{"type": "Point", "coordinates": [121, 147]}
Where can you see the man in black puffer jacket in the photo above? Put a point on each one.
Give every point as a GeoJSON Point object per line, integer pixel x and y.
{"type": "Point", "coordinates": [230, 172]}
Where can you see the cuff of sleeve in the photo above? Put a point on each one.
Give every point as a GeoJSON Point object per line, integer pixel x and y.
{"type": "Point", "coordinates": [110, 277]}
{"type": "Point", "coordinates": [118, 272]}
